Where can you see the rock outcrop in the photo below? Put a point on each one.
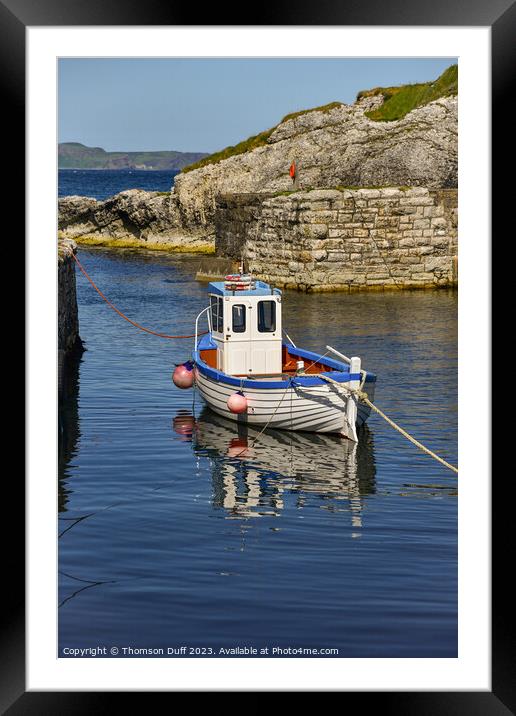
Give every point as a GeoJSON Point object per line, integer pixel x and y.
{"type": "Point", "coordinates": [132, 218]}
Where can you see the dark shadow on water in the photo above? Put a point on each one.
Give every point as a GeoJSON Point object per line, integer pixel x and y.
{"type": "Point", "coordinates": [68, 422]}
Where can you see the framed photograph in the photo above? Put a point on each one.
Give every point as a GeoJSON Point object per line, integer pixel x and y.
{"type": "Point", "coordinates": [258, 448]}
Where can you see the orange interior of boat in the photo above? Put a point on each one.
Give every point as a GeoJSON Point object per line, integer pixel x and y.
{"type": "Point", "coordinates": [289, 362]}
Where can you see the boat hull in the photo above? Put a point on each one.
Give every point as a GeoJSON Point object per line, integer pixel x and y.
{"type": "Point", "coordinates": [312, 408]}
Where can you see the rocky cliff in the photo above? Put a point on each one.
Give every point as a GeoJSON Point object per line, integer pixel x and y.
{"type": "Point", "coordinates": [341, 148]}
{"type": "Point", "coordinates": [336, 147]}
{"type": "Point", "coordinates": [145, 219]}
{"type": "Point", "coordinates": [332, 148]}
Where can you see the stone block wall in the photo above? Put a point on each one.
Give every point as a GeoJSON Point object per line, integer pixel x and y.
{"type": "Point", "coordinates": [68, 316]}
{"type": "Point", "coordinates": [343, 239]}
{"type": "Point", "coordinates": [68, 340]}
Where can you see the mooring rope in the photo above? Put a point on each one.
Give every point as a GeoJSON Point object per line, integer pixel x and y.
{"type": "Point", "coordinates": [316, 361]}
{"type": "Point", "coordinates": [137, 325]}
{"type": "Point", "coordinates": [253, 442]}
{"type": "Point", "coordinates": [361, 395]}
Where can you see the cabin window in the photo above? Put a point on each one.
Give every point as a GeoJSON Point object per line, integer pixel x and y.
{"type": "Point", "coordinates": [267, 316]}
{"type": "Point", "coordinates": [239, 318]}
{"type": "Point", "coordinates": [214, 310]}
{"type": "Point", "coordinates": [217, 314]}
{"type": "Point", "coordinates": [220, 317]}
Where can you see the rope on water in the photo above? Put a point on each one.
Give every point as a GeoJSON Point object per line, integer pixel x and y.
{"type": "Point", "coordinates": [361, 395]}
{"type": "Point", "coordinates": [137, 325]}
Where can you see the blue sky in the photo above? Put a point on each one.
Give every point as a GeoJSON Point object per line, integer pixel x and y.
{"type": "Point", "coordinates": [136, 104]}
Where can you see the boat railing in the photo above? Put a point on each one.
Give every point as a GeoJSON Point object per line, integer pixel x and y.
{"type": "Point", "coordinates": [197, 324]}
{"type": "Point", "coordinates": [289, 339]}
{"type": "Point", "coordinates": [355, 366]}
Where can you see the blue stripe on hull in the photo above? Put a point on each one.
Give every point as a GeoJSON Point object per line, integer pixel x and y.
{"type": "Point", "coordinates": [340, 371]}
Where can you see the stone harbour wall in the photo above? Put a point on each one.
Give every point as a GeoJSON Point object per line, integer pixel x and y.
{"type": "Point", "coordinates": [68, 339]}
{"type": "Point", "coordinates": [68, 316]}
{"type": "Point", "coordinates": [343, 239]}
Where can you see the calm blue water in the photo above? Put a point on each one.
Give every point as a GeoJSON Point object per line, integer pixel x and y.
{"type": "Point", "coordinates": [168, 539]}
{"type": "Point", "coordinates": [101, 183]}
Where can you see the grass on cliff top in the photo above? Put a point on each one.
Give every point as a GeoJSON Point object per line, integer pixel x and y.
{"type": "Point", "coordinates": [258, 140]}
{"type": "Point", "coordinates": [399, 101]}
{"type": "Point", "coordinates": [325, 108]}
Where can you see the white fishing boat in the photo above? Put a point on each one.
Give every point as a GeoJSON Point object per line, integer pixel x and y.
{"type": "Point", "coordinates": [245, 371]}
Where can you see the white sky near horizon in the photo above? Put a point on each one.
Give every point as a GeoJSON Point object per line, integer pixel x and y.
{"type": "Point", "coordinates": [205, 104]}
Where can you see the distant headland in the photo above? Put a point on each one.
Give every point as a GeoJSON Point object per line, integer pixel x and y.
{"type": "Point", "coordinates": [73, 155]}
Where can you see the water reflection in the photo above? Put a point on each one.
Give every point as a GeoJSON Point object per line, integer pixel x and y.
{"type": "Point", "coordinates": [68, 422]}
{"type": "Point", "coordinates": [256, 474]}
{"type": "Point", "coordinates": [173, 517]}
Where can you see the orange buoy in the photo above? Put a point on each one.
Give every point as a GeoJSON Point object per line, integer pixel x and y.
{"type": "Point", "coordinates": [237, 403]}
{"type": "Point", "coordinates": [183, 376]}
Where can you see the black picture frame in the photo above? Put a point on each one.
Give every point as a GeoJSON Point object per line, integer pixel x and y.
{"type": "Point", "coordinates": [500, 16]}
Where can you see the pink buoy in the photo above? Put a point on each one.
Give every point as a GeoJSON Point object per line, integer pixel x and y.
{"type": "Point", "coordinates": [237, 403]}
{"type": "Point", "coordinates": [238, 447]}
{"type": "Point", "coordinates": [184, 425]}
{"type": "Point", "coordinates": [183, 376]}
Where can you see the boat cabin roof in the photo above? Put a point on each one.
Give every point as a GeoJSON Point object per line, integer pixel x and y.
{"type": "Point", "coordinates": [260, 288]}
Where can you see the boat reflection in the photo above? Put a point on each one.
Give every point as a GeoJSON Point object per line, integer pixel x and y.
{"type": "Point", "coordinates": [256, 474]}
